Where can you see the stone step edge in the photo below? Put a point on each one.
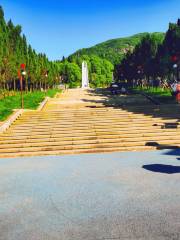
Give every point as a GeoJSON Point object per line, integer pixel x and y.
{"type": "Point", "coordinates": [87, 133]}
{"type": "Point", "coordinates": [112, 141]}
{"type": "Point", "coordinates": [11, 120]}
{"type": "Point", "coordinates": [58, 138]}
{"type": "Point", "coordinates": [71, 147]}
{"type": "Point", "coordinates": [75, 152]}
{"type": "Point", "coordinates": [43, 104]}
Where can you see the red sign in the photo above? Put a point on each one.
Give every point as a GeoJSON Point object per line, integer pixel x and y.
{"type": "Point", "coordinates": [174, 58]}
{"type": "Point", "coordinates": [23, 66]}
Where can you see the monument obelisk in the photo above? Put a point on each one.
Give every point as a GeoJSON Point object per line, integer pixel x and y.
{"type": "Point", "coordinates": [85, 80]}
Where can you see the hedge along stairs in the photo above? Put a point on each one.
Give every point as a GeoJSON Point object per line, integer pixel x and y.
{"type": "Point", "coordinates": [82, 121]}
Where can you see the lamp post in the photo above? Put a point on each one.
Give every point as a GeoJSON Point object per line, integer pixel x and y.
{"type": "Point", "coordinates": [140, 72]}
{"type": "Point", "coordinates": [175, 66]}
{"type": "Point", "coordinates": [22, 75]}
{"type": "Point", "coordinates": [46, 76]}
{"type": "Point", "coordinates": [175, 60]}
{"type": "Point", "coordinates": [139, 77]}
{"type": "Point", "coordinates": [176, 63]}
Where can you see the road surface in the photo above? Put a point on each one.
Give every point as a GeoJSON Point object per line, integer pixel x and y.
{"type": "Point", "coordinates": [91, 197]}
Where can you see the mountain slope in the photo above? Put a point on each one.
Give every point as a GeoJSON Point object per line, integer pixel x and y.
{"type": "Point", "coordinates": [115, 49]}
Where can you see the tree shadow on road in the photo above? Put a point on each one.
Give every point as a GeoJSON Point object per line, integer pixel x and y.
{"type": "Point", "coordinates": [138, 104]}
{"type": "Point", "coordinates": [162, 146]}
{"type": "Point", "coordinates": [166, 117]}
{"type": "Point", "coordinates": [161, 168]}
{"type": "Point", "coordinates": [173, 152]}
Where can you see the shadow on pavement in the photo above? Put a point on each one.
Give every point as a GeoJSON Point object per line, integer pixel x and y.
{"type": "Point", "coordinates": [173, 152]}
{"type": "Point", "coordinates": [161, 146]}
{"type": "Point", "coordinates": [138, 104]}
{"type": "Point", "coordinates": [161, 168]}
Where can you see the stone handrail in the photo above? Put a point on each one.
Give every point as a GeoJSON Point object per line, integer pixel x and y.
{"type": "Point", "coordinates": [10, 120]}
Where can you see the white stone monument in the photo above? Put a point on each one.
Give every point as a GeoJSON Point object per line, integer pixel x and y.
{"type": "Point", "coordinates": [85, 80]}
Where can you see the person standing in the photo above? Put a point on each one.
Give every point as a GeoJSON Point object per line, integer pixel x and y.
{"type": "Point", "coordinates": [178, 92]}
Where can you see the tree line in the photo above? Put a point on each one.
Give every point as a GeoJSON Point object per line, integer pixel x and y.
{"type": "Point", "coordinates": [156, 57]}
{"type": "Point", "coordinates": [14, 50]}
{"type": "Point", "coordinates": [40, 72]}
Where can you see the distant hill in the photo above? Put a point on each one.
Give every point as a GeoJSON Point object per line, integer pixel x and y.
{"type": "Point", "coordinates": [115, 49]}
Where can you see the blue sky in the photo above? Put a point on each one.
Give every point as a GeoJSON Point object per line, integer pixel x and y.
{"type": "Point", "coordinates": [61, 27]}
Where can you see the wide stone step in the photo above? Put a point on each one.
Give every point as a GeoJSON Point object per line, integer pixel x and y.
{"type": "Point", "coordinates": [87, 128]}
{"type": "Point", "coordinates": [79, 151]}
{"type": "Point", "coordinates": [79, 111]}
{"type": "Point", "coordinates": [87, 146]}
{"type": "Point", "coordinates": [73, 152]}
{"type": "Point", "coordinates": [107, 114]}
{"type": "Point", "coordinates": [90, 133]}
{"type": "Point", "coordinates": [117, 108]}
{"type": "Point", "coordinates": [59, 127]}
{"type": "Point", "coordinates": [93, 113]}
{"type": "Point", "coordinates": [95, 140]}
{"type": "Point", "coordinates": [83, 130]}
{"type": "Point", "coordinates": [71, 137]}
{"type": "Point", "coordinates": [97, 118]}
{"type": "Point", "coordinates": [91, 121]}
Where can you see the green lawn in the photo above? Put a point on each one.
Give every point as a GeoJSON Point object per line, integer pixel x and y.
{"type": "Point", "coordinates": [163, 95]}
{"type": "Point", "coordinates": [31, 101]}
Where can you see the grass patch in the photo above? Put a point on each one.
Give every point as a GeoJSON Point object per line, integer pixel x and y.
{"type": "Point", "coordinates": [31, 101]}
{"type": "Point", "coordinates": [162, 95]}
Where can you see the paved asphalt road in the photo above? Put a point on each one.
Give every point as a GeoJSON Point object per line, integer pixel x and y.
{"type": "Point", "coordinates": [91, 197]}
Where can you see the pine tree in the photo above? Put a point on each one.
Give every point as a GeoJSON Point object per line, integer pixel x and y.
{"type": "Point", "coordinates": [14, 50]}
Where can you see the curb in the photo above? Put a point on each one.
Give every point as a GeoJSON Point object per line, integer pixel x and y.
{"type": "Point", "coordinates": [42, 104]}
{"type": "Point", "coordinates": [153, 100]}
{"type": "Point", "coordinates": [11, 119]}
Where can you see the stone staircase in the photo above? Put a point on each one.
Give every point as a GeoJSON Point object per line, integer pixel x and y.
{"type": "Point", "coordinates": [74, 127]}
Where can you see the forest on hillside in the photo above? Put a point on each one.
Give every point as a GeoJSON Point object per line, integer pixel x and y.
{"type": "Point", "coordinates": [153, 58]}
{"type": "Point", "coordinates": [115, 50]}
